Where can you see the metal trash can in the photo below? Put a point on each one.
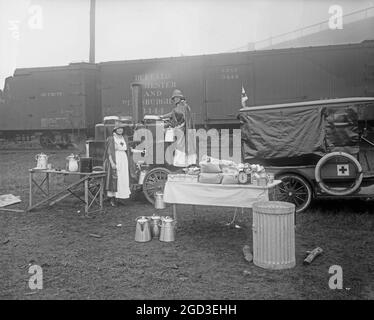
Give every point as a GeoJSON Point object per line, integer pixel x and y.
{"type": "Point", "coordinates": [274, 235]}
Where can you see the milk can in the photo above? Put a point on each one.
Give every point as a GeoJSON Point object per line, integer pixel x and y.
{"type": "Point", "coordinates": [167, 233]}
{"type": "Point", "coordinates": [143, 231]}
{"type": "Point", "coordinates": [155, 226]}
{"type": "Point", "coordinates": [274, 234]}
{"type": "Point", "coordinates": [142, 176]}
{"type": "Point", "coordinates": [159, 201]}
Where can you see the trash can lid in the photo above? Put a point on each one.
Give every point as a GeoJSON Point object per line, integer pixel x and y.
{"type": "Point", "coordinates": [274, 207]}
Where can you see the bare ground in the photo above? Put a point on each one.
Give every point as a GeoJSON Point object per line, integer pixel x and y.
{"type": "Point", "coordinates": [205, 261]}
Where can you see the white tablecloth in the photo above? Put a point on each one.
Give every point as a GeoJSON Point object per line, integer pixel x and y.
{"type": "Point", "coordinates": [229, 195]}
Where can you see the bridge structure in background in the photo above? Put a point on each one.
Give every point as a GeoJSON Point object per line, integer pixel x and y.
{"type": "Point", "coordinates": [357, 27]}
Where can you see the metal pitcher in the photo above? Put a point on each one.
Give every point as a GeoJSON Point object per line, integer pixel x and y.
{"type": "Point", "coordinates": [143, 231]}
{"type": "Point", "coordinates": [155, 226]}
{"type": "Point", "coordinates": [72, 164]}
{"type": "Point", "coordinates": [167, 233]}
{"type": "Point", "coordinates": [42, 161]}
{"type": "Point", "coordinates": [159, 201]}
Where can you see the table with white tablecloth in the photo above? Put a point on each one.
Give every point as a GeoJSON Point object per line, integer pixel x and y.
{"type": "Point", "coordinates": [225, 195]}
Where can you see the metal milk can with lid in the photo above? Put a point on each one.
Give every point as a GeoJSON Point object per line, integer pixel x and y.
{"type": "Point", "coordinates": [155, 225]}
{"type": "Point", "coordinates": [159, 201]}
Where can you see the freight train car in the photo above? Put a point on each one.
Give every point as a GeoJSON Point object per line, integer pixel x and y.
{"type": "Point", "coordinates": [56, 102]}
{"type": "Point", "coordinates": [53, 103]}
{"type": "Point", "coordinates": [213, 83]}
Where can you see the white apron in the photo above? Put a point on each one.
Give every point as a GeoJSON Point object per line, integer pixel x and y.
{"type": "Point", "coordinates": [123, 183]}
{"type": "Point", "coordinates": [181, 159]}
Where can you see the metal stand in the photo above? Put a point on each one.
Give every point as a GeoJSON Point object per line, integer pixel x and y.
{"type": "Point", "coordinates": [174, 212]}
{"type": "Point", "coordinates": [234, 217]}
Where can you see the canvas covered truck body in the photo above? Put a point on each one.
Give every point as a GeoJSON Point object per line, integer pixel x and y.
{"type": "Point", "coordinates": [322, 148]}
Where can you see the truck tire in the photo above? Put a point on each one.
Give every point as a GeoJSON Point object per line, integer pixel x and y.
{"type": "Point", "coordinates": [339, 191]}
{"type": "Point", "coordinates": [154, 181]}
{"type": "Point", "coordinates": [294, 189]}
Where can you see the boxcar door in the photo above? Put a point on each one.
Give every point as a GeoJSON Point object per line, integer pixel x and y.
{"type": "Point", "coordinates": [223, 89]}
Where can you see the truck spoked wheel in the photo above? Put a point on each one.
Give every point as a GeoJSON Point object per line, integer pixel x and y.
{"type": "Point", "coordinates": [338, 174]}
{"type": "Point", "coordinates": [294, 189]}
{"type": "Point", "coordinates": [47, 140]}
{"type": "Point", "coordinates": [154, 181]}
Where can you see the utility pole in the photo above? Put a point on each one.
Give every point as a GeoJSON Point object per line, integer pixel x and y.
{"type": "Point", "coordinates": [92, 31]}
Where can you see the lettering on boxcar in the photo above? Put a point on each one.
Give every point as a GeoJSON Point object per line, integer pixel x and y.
{"type": "Point", "coordinates": [156, 92]}
{"type": "Point", "coordinates": [153, 93]}
{"type": "Point", "coordinates": [51, 94]}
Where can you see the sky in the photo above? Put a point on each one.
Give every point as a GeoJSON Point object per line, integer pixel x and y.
{"type": "Point", "coordinates": [39, 33]}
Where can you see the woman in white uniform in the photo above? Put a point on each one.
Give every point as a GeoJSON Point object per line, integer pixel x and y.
{"type": "Point", "coordinates": [117, 166]}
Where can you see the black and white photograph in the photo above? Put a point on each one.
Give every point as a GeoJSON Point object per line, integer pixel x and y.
{"type": "Point", "coordinates": [186, 155]}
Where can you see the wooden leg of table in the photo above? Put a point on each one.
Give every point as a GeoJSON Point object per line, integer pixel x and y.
{"type": "Point", "coordinates": [49, 198]}
{"type": "Point", "coordinates": [194, 210]}
{"type": "Point", "coordinates": [86, 196]}
{"type": "Point", "coordinates": [59, 199]}
{"type": "Point", "coordinates": [30, 189]}
{"type": "Point", "coordinates": [47, 183]}
{"type": "Point", "coordinates": [175, 212]}
{"type": "Point", "coordinates": [101, 192]}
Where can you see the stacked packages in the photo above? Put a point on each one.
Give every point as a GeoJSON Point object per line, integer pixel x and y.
{"type": "Point", "coordinates": [217, 171]}
{"type": "Point", "coordinates": [228, 172]}
{"type": "Point", "coordinates": [191, 175]}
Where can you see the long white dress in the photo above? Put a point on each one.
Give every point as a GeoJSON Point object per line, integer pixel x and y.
{"type": "Point", "coordinates": [123, 183]}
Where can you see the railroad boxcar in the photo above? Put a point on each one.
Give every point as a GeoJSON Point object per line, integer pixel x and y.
{"type": "Point", "coordinates": [53, 103]}
{"type": "Point", "coordinates": [212, 83]}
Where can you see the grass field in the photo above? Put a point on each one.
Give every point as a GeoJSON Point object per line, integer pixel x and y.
{"type": "Point", "coordinates": [205, 261]}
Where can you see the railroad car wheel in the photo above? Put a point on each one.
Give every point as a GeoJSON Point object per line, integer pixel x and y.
{"type": "Point", "coordinates": [65, 141]}
{"type": "Point", "coordinates": [294, 189]}
{"type": "Point", "coordinates": [47, 140]}
{"type": "Point", "coordinates": [154, 181]}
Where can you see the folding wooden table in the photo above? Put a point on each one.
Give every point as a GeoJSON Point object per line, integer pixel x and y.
{"type": "Point", "coordinates": [93, 183]}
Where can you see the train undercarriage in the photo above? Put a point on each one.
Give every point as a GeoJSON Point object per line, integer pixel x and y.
{"type": "Point", "coordinates": [46, 139]}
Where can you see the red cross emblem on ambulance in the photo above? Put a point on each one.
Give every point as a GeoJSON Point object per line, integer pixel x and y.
{"type": "Point", "coordinates": [342, 169]}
